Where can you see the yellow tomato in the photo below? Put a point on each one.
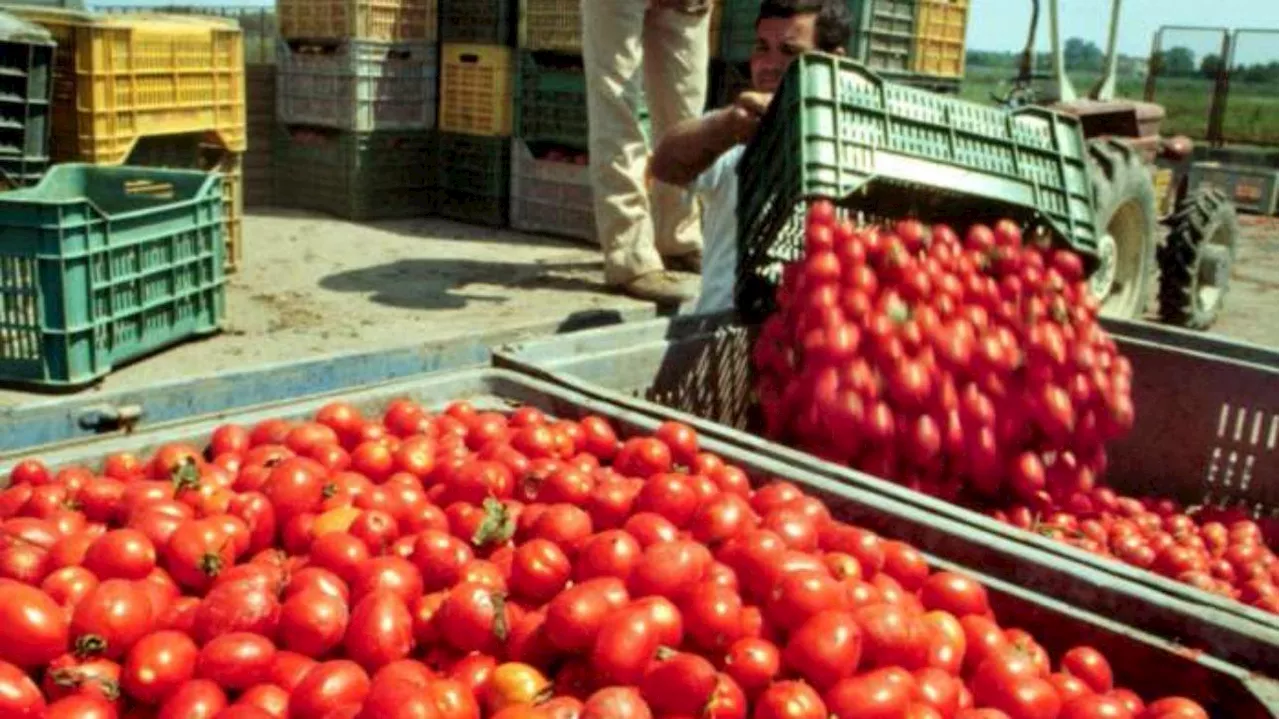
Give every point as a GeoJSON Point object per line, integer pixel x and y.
{"type": "Point", "coordinates": [516, 684]}
{"type": "Point", "coordinates": [338, 519]}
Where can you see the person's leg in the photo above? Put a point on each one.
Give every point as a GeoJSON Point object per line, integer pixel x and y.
{"type": "Point", "coordinates": [612, 57]}
{"type": "Point", "coordinates": [676, 57]}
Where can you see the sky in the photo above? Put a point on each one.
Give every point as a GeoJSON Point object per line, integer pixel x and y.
{"type": "Point", "coordinates": [1002, 24]}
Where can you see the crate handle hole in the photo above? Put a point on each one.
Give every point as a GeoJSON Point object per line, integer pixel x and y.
{"type": "Point", "coordinates": [151, 188]}
{"type": "Point", "coordinates": [469, 57]}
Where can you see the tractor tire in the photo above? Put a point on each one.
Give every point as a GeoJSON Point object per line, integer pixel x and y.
{"type": "Point", "coordinates": [1125, 197]}
{"type": "Point", "coordinates": [1196, 259]}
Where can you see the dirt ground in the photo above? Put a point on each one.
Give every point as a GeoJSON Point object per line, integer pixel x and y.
{"type": "Point", "coordinates": [311, 285]}
{"type": "Point", "coordinates": [1252, 311]}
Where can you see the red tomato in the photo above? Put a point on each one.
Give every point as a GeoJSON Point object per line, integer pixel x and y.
{"type": "Point", "coordinates": [825, 649]}
{"type": "Point", "coordinates": [246, 605]}
{"type": "Point", "coordinates": [680, 683]}
{"type": "Point", "coordinates": [313, 622]}
{"type": "Point", "coordinates": [80, 707]}
{"type": "Point", "coordinates": [954, 593]}
{"type": "Point", "coordinates": [881, 693]}
{"type": "Point", "coordinates": [1090, 666]}
{"type": "Point", "coordinates": [113, 615]}
{"type": "Point", "coordinates": [33, 628]}
{"type": "Point", "coordinates": [380, 630]}
{"type": "Point", "coordinates": [236, 661]}
{"type": "Point", "coordinates": [197, 699]}
{"type": "Point", "coordinates": [121, 554]}
{"type": "Point", "coordinates": [334, 683]}
{"type": "Point", "coordinates": [270, 698]}
{"type": "Point", "coordinates": [624, 646]}
{"type": "Point", "coordinates": [616, 703]}
{"type": "Point", "coordinates": [470, 617]}
{"type": "Point", "coordinates": [1175, 708]}
{"type": "Point", "coordinates": [157, 665]}
{"type": "Point", "coordinates": [791, 700]}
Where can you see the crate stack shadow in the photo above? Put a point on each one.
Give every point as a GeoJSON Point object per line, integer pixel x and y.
{"type": "Point", "coordinates": [356, 97]}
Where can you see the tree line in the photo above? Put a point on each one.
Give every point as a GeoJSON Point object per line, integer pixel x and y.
{"type": "Point", "coordinates": [1085, 56]}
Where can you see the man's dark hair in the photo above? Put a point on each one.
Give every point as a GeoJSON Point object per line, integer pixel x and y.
{"type": "Point", "coordinates": [834, 24]}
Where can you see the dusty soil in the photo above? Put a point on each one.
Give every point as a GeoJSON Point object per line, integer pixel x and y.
{"type": "Point", "coordinates": [1252, 311]}
{"type": "Point", "coordinates": [311, 285]}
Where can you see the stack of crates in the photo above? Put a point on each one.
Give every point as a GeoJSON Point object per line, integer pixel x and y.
{"type": "Point", "coordinates": [356, 97]}
{"type": "Point", "coordinates": [550, 186]}
{"type": "Point", "coordinates": [26, 86]}
{"type": "Point", "coordinates": [477, 84]}
{"type": "Point", "coordinates": [260, 89]}
{"type": "Point", "coordinates": [121, 80]}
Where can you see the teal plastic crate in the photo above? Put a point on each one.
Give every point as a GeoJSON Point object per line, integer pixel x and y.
{"type": "Point", "coordinates": [473, 179]}
{"type": "Point", "coordinates": [26, 83]}
{"type": "Point", "coordinates": [837, 130]}
{"type": "Point", "coordinates": [551, 100]}
{"type": "Point", "coordinates": [358, 85]}
{"type": "Point", "coordinates": [354, 175]}
{"type": "Point", "coordinates": [486, 22]}
{"type": "Point", "coordinates": [101, 265]}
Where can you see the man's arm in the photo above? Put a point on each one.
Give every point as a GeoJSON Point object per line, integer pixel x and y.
{"type": "Point", "coordinates": [691, 147]}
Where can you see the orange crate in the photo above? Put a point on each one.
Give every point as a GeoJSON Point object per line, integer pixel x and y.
{"type": "Point", "coordinates": [476, 89]}
{"type": "Point", "coordinates": [121, 77]}
{"type": "Point", "coordinates": [383, 20]}
{"type": "Point", "coordinates": [940, 37]}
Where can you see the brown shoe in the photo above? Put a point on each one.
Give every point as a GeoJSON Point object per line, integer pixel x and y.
{"type": "Point", "coordinates": [663, 287]}
{"type": "Point", "coordinates": [691, 263]}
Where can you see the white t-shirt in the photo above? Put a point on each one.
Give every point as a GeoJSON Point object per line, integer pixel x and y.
{"type": "Point", "coordinates": [717, 188]}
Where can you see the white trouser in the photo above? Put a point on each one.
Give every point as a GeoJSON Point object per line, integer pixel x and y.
{"type": "Point", "coordinates": [636, 225]}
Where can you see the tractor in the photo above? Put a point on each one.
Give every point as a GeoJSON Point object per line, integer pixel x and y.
{"type": "Point", "coordinates": [1139, 183]}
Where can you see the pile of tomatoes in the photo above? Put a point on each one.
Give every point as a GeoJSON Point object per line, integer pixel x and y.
{"type": "Point", "coordinates": [975, 370]}
{"type": "Point", "coordinates": [1219, 551]}
{"type": "Point", "coordinates": [473, 564]}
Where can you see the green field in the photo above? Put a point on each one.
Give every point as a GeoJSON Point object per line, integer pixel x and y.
{"type": "Point", "coordinates": [1252, 117]}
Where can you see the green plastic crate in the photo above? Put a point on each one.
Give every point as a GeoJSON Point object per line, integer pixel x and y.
{"type": "Point", "coordinates": [354, 175]}
{"type": "Point", "coordinates": [358, 85]}
{"type": "Point", "coordinates": [487, 22]}
{"type": "Point", "coordinates": [551, 100]}
{"type": "Point", "coordinates": [838, 130]}
{"type": "Point", "coordinates": [26, 84]}
{"type": "Point", "coordinates": [473, 179]}
{"type": "Point", "coordinates": [100, 265]}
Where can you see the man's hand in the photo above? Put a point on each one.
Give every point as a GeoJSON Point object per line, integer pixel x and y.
{"type": "Point", "coordinates": [744, 115]}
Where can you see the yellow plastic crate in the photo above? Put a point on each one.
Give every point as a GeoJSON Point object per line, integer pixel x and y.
{"type": "Point", "coordinates": [940, 37]}
{"type": "Point", "coordinates": [121, 77]}
{"type": "Point", "coordinates": [476, 87]}
{"type": "Point", "coordinates": [232, 170]}
{"type": "Point", "coordinates": [382, 20]}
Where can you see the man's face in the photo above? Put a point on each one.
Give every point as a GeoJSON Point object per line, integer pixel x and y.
{"type": "Point", "coordinates": [778, 42]}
